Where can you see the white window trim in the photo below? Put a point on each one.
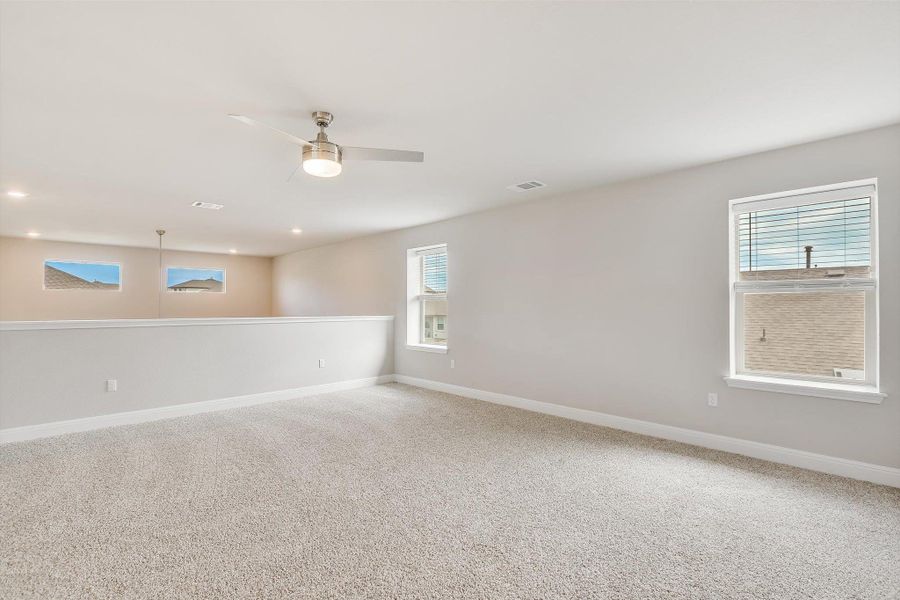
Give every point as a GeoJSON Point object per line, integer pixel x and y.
{"type": "Point", "coordinates": [866, 391]}
{"type": "Point", "coordinates": [855, 393]}
{"type": "Point", "coordinates": [427, 348]}
{"type": "Point", "coordinates": [415, 320]}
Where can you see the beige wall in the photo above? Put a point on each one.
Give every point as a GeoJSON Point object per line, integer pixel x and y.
{"type": "Point", "coordinates": [616, 299]}
{"type": "Point", "coordinates": [22, 297]}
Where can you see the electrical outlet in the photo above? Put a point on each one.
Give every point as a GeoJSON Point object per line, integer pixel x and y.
{"type": "Point", "coordinates": [712, 399]}
{"type": "Point", "coordinates": [452, 364]}
{"type": "Point", "coordinates": [112, 385]}
{"type": "Point", "coordinates": [321, 363]}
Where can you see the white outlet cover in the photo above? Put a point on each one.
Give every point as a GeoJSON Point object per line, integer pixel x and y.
{"type": "Point", "coordinates": [452, 364]}
{"type": "Point", "coordinates": [112, 385]}
{"type": "Point", "coordinates": [712, 399]}
{"type": "Point", "coordinates": [321, 363]}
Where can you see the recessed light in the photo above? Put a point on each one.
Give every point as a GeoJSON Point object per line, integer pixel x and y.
{"type": "Point", "coordinates": [207, 205]}
{"type": "Point", "coordinates": [16, 194]}
{"type": "Point", "coordinates": [296, 230]}
{"type": "Point", "coordinates": [233, 250]}
{"type": "Point", "coordinates": [33, 234]}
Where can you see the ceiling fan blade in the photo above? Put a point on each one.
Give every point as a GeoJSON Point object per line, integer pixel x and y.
{"type": "Point", "coordinates": [249, 121]}
{"type": "Point", "coordinates": [353, 153]}
{"type": "Point", "coordinates": [294, 172]}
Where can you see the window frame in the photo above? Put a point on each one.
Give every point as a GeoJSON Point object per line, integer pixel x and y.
{"type": "Point", "coordinates": [83, 262]}
{"type": "Point", "coordinates": [165, 279]}
{"type": "Point", "coordinates": [866, 390]}
{"type": "Point", "coordinates": [416, 298]}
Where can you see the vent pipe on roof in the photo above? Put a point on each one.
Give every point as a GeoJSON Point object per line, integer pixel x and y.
{"type": "Point", "coordinates": [808, 250]}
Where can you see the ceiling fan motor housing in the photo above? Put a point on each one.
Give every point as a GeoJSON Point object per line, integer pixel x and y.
{"type": "Point", "coordinates": [322, 150]}
{"type": "Point", "coordinates": [322, 159]}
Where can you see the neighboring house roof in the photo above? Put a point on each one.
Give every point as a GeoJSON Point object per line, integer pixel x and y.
{"type": "Point", "coordinates": [56, 279]}
{"type": "Point", "coordinates": [198, 285]}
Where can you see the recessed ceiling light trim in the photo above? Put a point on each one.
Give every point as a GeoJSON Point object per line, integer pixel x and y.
{"type": "Point", "coordinates": [296, 231]}
{"type": "Point", "coordinates": [33, 234]}
{"type": "Point", "coordinates": [16, 194]}
{"type": "Point", "coordinates": [208, 205]}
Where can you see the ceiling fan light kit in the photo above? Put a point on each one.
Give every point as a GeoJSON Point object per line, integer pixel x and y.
{"type": "Point", "coordinates": [323, 158]}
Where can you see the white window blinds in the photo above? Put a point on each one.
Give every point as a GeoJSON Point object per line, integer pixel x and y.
{"type": "Point", "coordinates": [434, 272]}
{"type": "Point", "coordinates": [826, 234]}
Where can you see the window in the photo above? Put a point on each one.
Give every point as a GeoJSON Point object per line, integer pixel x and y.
{"type": "Point", "coordinates": [192, 280]}
{"type": "Point", "coordinates": [804, 291]}
{"type": "Point", "coordinates": [427, 298]}
{"type": "Point", "coordinates": [82, 275]}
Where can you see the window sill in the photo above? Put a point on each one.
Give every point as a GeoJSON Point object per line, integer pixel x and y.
{"type": "Point", "coordinates": [837, 391]}
{"type": "Point", "coordinates": [427, 348]}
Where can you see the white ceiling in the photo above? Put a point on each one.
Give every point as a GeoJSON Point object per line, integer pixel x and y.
{"type": "Point", "coordinates": [112, 115]}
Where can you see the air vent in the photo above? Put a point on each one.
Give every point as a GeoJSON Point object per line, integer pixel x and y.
{"type": "Point", "coordinates": [526, 185]}
{"type": "Point", "coordinates": [209, 205]}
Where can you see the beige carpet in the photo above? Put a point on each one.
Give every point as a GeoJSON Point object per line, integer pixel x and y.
{"type": "Point", "coordinates": [397, 492]}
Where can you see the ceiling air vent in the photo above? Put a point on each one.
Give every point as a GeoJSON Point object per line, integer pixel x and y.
{"type": "Point", "coordinates": [209, 205]}
{"type": "Point", "coordinates": [527, 185]}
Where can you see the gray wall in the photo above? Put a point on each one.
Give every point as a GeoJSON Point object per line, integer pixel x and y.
{"type": "Point", "coordinates": [616, 299]}
{"type": "Point", "coordinates": [55, 375]}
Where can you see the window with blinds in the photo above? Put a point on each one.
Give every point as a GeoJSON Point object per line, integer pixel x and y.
{"type": "Point", "coordinates": [824, 235]}
{"type": "Point", "coordinates": [804, 292]}
{"type": "Point", "coordinates": [427, 319]}
{"type": "Point", "coordinates": [434, 273]}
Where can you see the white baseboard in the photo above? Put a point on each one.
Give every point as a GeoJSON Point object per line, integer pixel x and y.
{"type": "Point", "coordinates": [30, 432]}
{"type": "Point", "coordinates": [779, 454]}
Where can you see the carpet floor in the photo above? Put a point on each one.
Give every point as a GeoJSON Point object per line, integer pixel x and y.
{"type": "Point", "coordinates": [398, 492]}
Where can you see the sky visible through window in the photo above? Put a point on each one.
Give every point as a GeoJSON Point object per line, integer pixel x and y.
{"type": "Point", "coordinates": [435, 272]}
{"type": "Point", "coordinates": [103, 273]}
{"type": "Point", "coordinates": [776, 239]}
{"type": "Point", "coordinates": [175, 275]}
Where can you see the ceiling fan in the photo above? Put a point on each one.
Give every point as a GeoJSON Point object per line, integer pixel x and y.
{"type": "Point", "coordinates": [323, 158]}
